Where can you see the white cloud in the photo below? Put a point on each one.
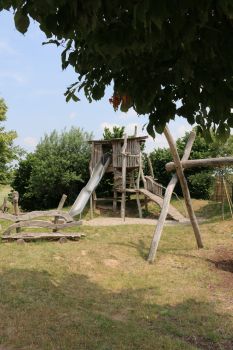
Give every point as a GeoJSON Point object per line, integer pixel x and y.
{"type": "Point", "coordinates": [6, 49]}
{"type": "Point", "coordinates": [17, 77]}
{"type": "Point", "coordinates": [45, 92]}
{"type": "Point", "coordinates": [30, 141]}
{"type": "Point", "coordinates": [128, 115]}
{"type": "Point", "coordinates": [72, 115]}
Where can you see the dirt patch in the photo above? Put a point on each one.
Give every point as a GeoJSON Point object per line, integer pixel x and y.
{"type": "Point", "coordinates": [111, 262]}
{"type": "Point", "coordinates": [204, 344]}
{"type": "Point", "coordinates": [223, 259]}
{"type": "Point", "coordinates": [225, 265]}
{"type": "Point", "coordinates": [128, 221]}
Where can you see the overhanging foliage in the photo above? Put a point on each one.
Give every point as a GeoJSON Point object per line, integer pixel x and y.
{"type": "Point", "coordinates": [162, 57]}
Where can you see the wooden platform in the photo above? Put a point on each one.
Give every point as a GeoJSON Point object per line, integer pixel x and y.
{"type": "Point", "coordinates": [37, 236]}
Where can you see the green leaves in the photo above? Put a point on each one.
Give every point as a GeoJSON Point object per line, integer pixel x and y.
{"type": "Point", "coordinates": [21, 21]}
{"type": "Point", "coordinates": [171, 57]}
{"type": "Point", "coordinates": [58, 165]}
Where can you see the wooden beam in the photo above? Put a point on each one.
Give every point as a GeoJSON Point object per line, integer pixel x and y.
{"type": "Point", "coordinates": [184, 186]}
{"type": "Point", "coordinates": [124, 163]}
{"type": "Point", "coordinates": [166, 202]}
{"type": "Point", "coordinates": [40, 223]}
{"type": "Point", "coordinates": [206, 162]}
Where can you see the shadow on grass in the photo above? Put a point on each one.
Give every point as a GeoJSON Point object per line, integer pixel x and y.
{"type": "Point", "coordinates": [213, 211]}
{"type": "Point", "coordinates": [42, 312]}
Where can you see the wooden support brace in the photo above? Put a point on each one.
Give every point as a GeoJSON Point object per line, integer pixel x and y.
{"type": "Point", "coordinates": [184, 186]}
{"type": "Point", "coordinates": [60, 206]}
{"type": "Point", "coordinates": [166, 202]}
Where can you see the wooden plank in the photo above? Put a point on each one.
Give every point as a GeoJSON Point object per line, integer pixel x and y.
{"type": "Point", "coordinates": [40, 223]}
{"type": "Point", "coordinates": [172, 211]}
{"type": "Point", "coordinates": [206, 162]}
{"type": "Point", "coordinates": [33, 236]}
{"type": "Point", "coordinates": [38, 213]}
{"type": "Point", "coordinates": [184, 186]}
{"type": "Point", "coordinates": [166, 202]}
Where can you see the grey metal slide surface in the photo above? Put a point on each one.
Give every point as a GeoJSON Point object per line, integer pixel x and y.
{"type": "Point", "coordinates": [93, 182]}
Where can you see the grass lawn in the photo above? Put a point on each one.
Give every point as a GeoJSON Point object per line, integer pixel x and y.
{"type": "Point", "coordinates": [100, 293]}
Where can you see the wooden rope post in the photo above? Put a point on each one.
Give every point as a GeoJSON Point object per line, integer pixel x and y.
{"type": "Point", "coordinates": [184, 186]}
{"type": "Point", "coordinates": [60, 206]}
{"type": "Point", "coordinates": [124, 164]}
{"type": "Point", "coordinates": [166, 202]}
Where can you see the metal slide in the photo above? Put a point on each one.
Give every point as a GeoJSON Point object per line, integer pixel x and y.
{"type": "Point", "coordinates": [93, 182]}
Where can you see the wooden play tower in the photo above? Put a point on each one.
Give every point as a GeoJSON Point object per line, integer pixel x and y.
{"type": "Point", "coordinates": [127, 168]}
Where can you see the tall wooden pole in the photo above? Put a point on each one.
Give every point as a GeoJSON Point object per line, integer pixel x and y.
{"type": "Point", "coordinates": [184, 186]}
{"type": "Point", "coordinates": [124, 163]}
{"type": "Point", "coordinates": [166, 202]}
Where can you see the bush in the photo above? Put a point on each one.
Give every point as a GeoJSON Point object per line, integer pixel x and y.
{"type": "Point", "coordinates": [201, 184]}
{"type": "Point", "coordinates": [60, 164]}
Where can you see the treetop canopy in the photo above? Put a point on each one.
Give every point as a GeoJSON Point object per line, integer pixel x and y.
{"type": "Point", "coordinates": [163, 57]}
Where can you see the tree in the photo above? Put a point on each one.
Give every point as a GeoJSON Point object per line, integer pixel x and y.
{"type": "Point", "coordinates": [8, 152]}
{"type": "Point", "coordinates": [163, 58]}
{"type": "Point", "coordinates": [59, 165]}
{"type": "Point", "coordinates": [116, 133]}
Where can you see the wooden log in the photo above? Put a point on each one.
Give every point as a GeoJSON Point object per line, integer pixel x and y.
{"type": "Point", "coordinates": [35, 214]}
{"type": "Point", "coordinates": [60, 206]}
{"type": "Point", "coordinates": [206, 162]}
{"type": "Point", "coordinates": [40, 223]}
{"type": "Point", "coordinates": [7, 216]}
{"type": "Point", "coordinates": [166, 202]}
{"type": "Point", "coordinates": [34, 236]}
{"type": "Point", "coordinates": [124, 163]}
{"type": "Point", "coordinates": [184, 186]}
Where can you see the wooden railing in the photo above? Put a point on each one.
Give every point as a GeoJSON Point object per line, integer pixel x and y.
{"type": "Point", "coordinates": [153, 186]}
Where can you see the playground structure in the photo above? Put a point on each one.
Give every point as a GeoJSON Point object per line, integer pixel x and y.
{"type": "Point", "coordinates": [123, 158]}
{"type": "Point", "coordinates": [179, 166]}
{"type": "Point", "coordinates": [61, 220]}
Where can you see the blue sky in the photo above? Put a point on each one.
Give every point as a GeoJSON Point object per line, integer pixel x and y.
{"type": "Point", "coordinates": [33, 85]}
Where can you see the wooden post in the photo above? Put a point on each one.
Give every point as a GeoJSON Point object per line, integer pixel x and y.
{"type": "Point", "coordinates": [137, 188]}
{"type": "Point", "coordinates": [114, 205]}
{"type": "Point", "coordinates": [166, 202]}
{"type": "Point", "coordinates": [60, 206]}
{"type": "Point", "coordinates": [150, 167]}
{"type": "Point", "coordinates": [4, 206]}
{"type": "Point", "coordinates": [91, 207]}
{"type": "Point", "coordinates": [184, 186]}
{"type": "Point", "coordinates": [124, 163]}
{"type": "Point", "coordinates": [16, 207]}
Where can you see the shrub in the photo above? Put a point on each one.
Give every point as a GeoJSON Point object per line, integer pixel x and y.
{"type": "Point", "coordinates": [59, 165]}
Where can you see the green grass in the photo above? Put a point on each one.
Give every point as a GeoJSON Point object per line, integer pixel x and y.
{"type": "Point", "coordinates": [100, 293]}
